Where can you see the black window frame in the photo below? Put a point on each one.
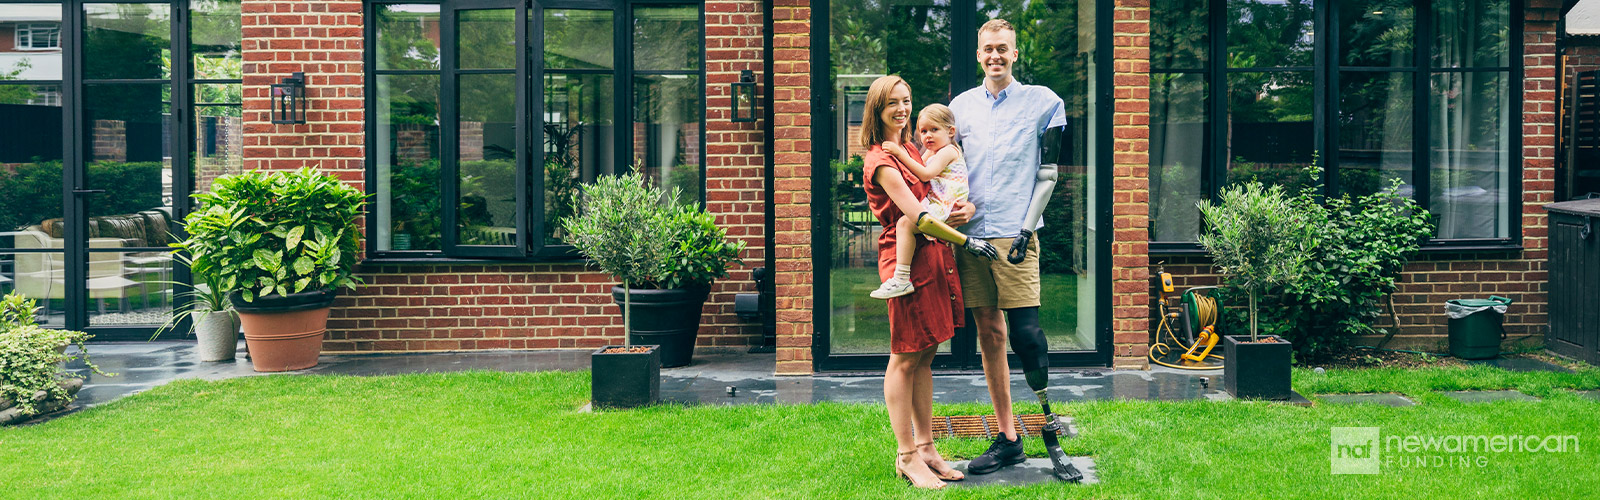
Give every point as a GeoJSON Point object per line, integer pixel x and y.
{"type": "Point", "coordinates": [1326, 67]}
{"type": "Point", "coordinates": [531, 73]}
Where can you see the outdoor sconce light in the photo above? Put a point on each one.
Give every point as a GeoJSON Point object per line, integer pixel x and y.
{"type": "Point", "coordinates": [289, 100]}
{"type": "Point", "coordinates": [744, 97]}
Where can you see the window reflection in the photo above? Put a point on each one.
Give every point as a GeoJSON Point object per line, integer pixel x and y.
{"type": "Point", "coordinates": [126, 41]}
{"type": "Point", "coordinates": [1177, 153]}
{"type": "Point", "coordinates": [666, 132]}
{"type": "Point", "coordinates": [32, 49]}
{"type": "Point", "coordinates": [579, 140]}
{"type": "Point", "coordinates": [1270, 131]}
{"type": "Point", "coordinates": [1375, 132]}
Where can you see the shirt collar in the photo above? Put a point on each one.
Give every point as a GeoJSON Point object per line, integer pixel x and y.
{"type": "Point", "coordinates": [1003, 92]}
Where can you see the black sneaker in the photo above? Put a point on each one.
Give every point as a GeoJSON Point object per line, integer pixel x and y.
{"type": "Point", "coordinates": [1000, 454]}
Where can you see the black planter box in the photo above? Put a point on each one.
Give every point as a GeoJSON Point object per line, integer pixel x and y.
{"type": "Point", "coordinates": [625, 379]}
{"type": "Point", "coordinates": [1256, 370]}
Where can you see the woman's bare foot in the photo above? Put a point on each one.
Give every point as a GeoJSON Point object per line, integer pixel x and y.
{"type": "Point", "coordinates": [935, 462]}
{"type": "Point", "coordinates": [911, 467]}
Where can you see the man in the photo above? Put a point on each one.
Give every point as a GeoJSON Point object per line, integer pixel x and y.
{"type": "Point", "coordinates": [1000, 125]}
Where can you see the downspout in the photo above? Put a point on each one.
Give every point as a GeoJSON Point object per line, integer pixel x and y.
{"type": "Point", "coordinates": [769, 305]}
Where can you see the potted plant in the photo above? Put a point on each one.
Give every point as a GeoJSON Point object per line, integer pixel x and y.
{"type": "Point", "coordinates": [1258, 237]}
{"type": "Point", "coordinates": [32, 378]}
{"type": "Point", "coordinates": [281, 244]}
{"type": "Point", "coordinates": [666, 254]}
{"type": "Point", "coordinates": [214, 322]}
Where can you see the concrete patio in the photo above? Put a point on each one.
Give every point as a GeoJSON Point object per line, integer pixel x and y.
{"type": "Point", "coordinates": [140, 366]}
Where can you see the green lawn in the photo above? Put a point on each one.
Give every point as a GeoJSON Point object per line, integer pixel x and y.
{"type": "Point", "coordinates": [508, 435]}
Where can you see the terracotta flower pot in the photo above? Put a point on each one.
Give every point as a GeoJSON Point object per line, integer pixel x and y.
{"type": "Point", "coordinates": [284, 332]}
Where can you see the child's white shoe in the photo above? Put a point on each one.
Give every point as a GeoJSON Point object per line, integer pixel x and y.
{"type": "Point", "coordinates": [895, 287]}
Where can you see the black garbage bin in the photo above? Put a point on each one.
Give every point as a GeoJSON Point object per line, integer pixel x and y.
{"type": "Point", "coordinates": [1476, 326]}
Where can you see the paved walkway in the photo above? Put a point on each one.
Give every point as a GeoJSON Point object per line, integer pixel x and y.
{"type": "Point", "coordinates": [140, 366]}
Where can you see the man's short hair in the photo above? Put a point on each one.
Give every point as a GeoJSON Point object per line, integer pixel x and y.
{"type": "Point", "coordinates": [996, 25]}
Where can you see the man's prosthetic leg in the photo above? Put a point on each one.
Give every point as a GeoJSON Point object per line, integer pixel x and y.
{"type": "Point", "coordinates": [1027, 340]}
{"type": "Point", "coordinates": [1052, 152]}
{"type": "Point", "coordinates": [935, 228]}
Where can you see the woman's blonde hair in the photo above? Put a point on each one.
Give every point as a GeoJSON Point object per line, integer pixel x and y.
{"type": "Point", "coordinates": [939, 114]}
{"type": "Point", "coordinates": [872, 114]}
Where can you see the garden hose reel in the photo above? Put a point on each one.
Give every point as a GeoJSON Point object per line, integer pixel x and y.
{"type": "Point", "coordinates": [1197, 315]}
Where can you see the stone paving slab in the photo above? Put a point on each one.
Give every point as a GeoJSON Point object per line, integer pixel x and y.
{"type": "Point", "coordinates": [1381, 399]}
{"type": "Point", "coordinates": [1033, 471]}
{"type": "Point", "coordinates": [1595, 395]}
{"type": "Point", "coordinates": [1488, 396]}
{"type": "Point", "coordinates": [1522, 365]}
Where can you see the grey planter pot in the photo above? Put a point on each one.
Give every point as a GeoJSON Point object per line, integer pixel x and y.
{"type": "Point", "coordinates": [218, 335]}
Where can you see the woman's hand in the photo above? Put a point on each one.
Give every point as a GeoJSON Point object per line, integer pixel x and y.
{"type": "Point", "coordinates": [960, 213]}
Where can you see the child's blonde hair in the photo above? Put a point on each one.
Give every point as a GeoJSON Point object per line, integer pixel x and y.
{"type": "Point", "coordinates": [939, 114]}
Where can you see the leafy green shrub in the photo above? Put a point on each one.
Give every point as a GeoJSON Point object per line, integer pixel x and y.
{"type": "Point", "coordinates": [283, 232]}
{"type": "Point", "coordinates": [1365, 244]}
{"type": "Point", "coordinates": [698, 251]}
{"type": "Point", "coordinates": [1259, 237]}
{"type": "Point", "coordinates": [17, 310]}
{"type": "Point", "coordinates": [31, 356]}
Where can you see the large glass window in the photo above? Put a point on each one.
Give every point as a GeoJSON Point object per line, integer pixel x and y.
{"type": "Point", "coordinates": [520, 119]}
{"type": "Point", "coordinates": [932, 45]}
{"type": "Point", "coordinates": [1414, 92]}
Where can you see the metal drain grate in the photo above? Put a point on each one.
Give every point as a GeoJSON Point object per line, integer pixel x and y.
{"type": "Point", "coordinates": [987, 426]}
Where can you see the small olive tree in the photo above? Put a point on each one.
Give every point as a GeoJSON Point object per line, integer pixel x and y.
{"type": "Point", "coordinates": [619, 227]}
{"type": "Point", "coordinates": [1258, 237]}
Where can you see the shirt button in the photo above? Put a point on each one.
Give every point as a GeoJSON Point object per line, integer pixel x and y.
{"type": "Point", "coordinates": [949, 271]}
{"type": "Point", "coordinates": [952, 296]}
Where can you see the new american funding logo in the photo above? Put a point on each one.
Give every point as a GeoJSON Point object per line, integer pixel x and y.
{"type": "Point", "coordinates": [1366, 450]}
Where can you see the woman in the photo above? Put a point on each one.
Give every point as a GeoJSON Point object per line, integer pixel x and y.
{"type": "Point", "coordinates": [920, 321]}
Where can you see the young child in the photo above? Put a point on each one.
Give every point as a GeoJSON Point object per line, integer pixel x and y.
{"type": "Point", "coordinates": [946, 170]}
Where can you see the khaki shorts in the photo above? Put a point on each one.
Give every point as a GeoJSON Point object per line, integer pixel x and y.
{"type": "Point", "coordinates": [990, 283]}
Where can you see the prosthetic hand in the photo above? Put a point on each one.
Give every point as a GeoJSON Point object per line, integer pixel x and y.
{"type": "Point", "coordinates": [1028, 341]}
{"type": "Point", "coordinates": [1051, 153]}
{"type": "Point", "coordinates": [933, 227]}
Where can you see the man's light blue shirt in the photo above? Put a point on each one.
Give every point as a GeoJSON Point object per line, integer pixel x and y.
{"type": "Point", "coordinates": [999, 135]}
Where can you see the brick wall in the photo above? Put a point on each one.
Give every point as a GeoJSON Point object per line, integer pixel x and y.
{"type": "Point", "coordinates": [1432, 278]}
{"type": "Point", "coordinates": [490, 305]}
{"type": "Point", "coordinates": [791, 46]}
{"type": "Point", "coordinates": [1130, 274]}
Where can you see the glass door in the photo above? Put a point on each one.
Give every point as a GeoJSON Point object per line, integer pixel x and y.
{"type": "Point", "coordinates": [125, 182]}
{"type": "Point", "coordinates": [98, 103]}
{"type": "Point", "coordinates": [932, 44]}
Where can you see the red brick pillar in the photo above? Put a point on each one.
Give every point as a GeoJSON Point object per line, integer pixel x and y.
{"type": "Point", "coordinates": [1539, 129]}
{"type": "Point", "coordinates": [1130, 203]}
{"type": "Point", "coordinates": [791, 45]}
{"type": "Point", "coordinates": [734, 170]}
{"type": "Point", "coordinates": [323, 39]}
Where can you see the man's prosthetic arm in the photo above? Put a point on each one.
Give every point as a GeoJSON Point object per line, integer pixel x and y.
{"type": "Point", "coordinates": [1052, 152]}
{"type": "Point", "coordinates": [935, 228]}
{"type": "Point", "coordinates": [1027, 339]}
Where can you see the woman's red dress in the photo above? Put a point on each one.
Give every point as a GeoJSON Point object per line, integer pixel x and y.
{"type": "Point", "coordinates": [930, 314]}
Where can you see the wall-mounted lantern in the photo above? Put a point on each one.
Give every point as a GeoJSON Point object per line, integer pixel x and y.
{"type": "Point", "coordinates": [744, 97]}
{"type": "Point", "coordinates": [289, 100]}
